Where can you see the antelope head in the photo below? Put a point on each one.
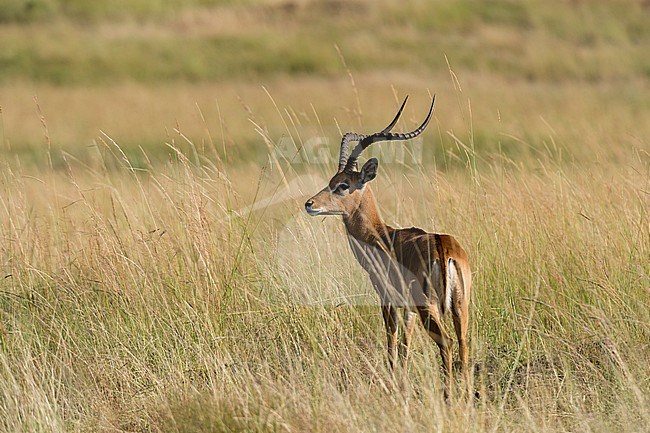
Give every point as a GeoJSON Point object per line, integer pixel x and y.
{"type": "Point", "coordinates": [344, 192]}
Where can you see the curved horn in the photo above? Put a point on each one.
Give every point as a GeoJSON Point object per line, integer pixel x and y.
{"type": "Point", "coordinates": [394, 122]}
{"type": "Point", "coordinates": [343, 153]}
{"type": "Point", "coordinates": [387, 136]}
{"type": "Point", "coordinates": [352, 136]}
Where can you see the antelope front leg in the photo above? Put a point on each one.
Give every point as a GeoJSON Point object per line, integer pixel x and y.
{"type": "Point", "coordinates": [390, 320]}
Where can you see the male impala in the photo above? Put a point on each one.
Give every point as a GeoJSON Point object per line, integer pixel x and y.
{"type": "Point", "coordinates": [426, 273]}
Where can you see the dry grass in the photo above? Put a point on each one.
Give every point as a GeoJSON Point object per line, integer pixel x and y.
{"type": "Point", "coordinates": [137, 293]}
{"type": "Point", "coordinates": [141, 300]}
{"type": "Point", "coordinates": [513, 117]}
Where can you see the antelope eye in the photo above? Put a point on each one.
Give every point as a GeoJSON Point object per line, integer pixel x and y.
{"type": "Point", "coordinates": [342, 187]}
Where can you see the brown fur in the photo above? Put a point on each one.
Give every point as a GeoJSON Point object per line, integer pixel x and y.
{"type": "Point", "coordinates": [408, 267]}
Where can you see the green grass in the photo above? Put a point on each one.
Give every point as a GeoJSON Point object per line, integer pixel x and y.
{"type": "Point", "coordinates": [138, 76]}
{"type": "Point", "coordinates": [23, 11]}
{"type": "Point", "coordinates": [152, 41]}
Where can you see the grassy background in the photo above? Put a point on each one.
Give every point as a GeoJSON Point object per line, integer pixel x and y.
{"type": "Point", "coordinates": [137, 295]}
{"type": "Point", "coordinates": [136, 70]}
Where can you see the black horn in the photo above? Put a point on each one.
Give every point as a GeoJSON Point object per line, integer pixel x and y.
{"type": "Point", "coordinates": [351, 136]}
{"type": "Point", "coordinates": [386, 135]}
{"type": "Point", "coordinates": [345, 143]}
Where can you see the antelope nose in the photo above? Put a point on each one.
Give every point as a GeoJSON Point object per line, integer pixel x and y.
{"type": "Point", "coordinates": [308, 205]}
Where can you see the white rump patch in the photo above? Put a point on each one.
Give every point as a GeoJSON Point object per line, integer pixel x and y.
{"type": "Point", "coordinates": [451, 279]}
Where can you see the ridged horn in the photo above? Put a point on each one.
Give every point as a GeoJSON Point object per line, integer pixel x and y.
{"type": "Point", "coordinates": [351, 136]}
{"type": "Point", "coordinates": [345, 143]}
{"type": "Point", "coordinates": [386, 135]}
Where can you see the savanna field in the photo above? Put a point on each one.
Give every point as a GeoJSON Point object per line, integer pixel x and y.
{"type": "Point", "coordinates": [158, 272]}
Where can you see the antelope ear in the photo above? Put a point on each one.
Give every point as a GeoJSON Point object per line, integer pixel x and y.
{"type": "Point", "coordinates": [369, 170]}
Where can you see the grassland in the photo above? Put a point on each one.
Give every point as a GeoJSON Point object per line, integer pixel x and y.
{"type": "Point", "coordinates": [138, 294]}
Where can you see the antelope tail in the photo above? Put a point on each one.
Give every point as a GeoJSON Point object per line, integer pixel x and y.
{"type": "Point", "coordinates": [452, 277]}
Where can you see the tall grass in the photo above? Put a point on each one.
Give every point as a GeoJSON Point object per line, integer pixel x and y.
{"type": "Point", "coordinates": [143, 299]}
{"type": "Point", "coordinates": [139, 292]}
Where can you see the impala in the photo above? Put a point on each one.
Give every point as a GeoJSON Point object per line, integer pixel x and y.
{"type": "Point", "coordinates": [427, 274]}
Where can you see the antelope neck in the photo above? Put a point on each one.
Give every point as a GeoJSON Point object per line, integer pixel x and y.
{"type": "Point", "coordinates": [365, 223]}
